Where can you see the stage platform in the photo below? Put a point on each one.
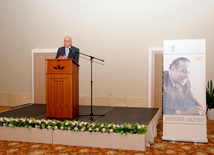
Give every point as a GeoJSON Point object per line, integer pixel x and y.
{"type": "Point", "coordinates": [117, 115]}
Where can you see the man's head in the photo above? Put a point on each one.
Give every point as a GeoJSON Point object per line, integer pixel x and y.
{"type": "Point", "coordinates": [179, 70]}
{"type": "Point", "coordinates": [67, 41]}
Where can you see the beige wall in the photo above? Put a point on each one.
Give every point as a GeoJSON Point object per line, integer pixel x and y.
{"type": "Point", "coordinates": [118, 31]}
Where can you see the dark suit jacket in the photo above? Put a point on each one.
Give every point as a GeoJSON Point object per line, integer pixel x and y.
{"type": "Point", "coordinates": [73, 53]}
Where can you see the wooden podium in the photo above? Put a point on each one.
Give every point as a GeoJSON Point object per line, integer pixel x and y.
{"type": "Point", "coordinates": [62, 88]}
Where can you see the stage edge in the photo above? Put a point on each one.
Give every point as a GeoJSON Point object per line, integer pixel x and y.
{"type": "Point", "coordinates": [26, 135]}
{"type": "Point", "coordinates": [103, 140]}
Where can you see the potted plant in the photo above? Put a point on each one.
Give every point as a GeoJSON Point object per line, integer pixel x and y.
{"type": "Point", "coordinates": [210, 100]}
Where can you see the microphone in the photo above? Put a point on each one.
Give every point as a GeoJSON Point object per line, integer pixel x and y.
{"type": "Point", "coordinates": [71, 50]}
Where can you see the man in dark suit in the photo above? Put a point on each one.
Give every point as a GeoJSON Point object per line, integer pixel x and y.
{"type": "Point", "coordinates": [68, 51]}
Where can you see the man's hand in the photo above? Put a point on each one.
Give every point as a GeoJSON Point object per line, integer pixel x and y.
{"type": "Point", "coordinates": [62, 57]}
{"type": "Point", "coordinates": [197, 110]}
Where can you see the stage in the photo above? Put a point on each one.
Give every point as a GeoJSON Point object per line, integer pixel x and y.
{"type": "Point", "coordinates": [117, 115]}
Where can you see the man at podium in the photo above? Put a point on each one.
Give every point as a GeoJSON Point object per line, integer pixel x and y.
{"type": "Point", "coordinates": [68, 51]}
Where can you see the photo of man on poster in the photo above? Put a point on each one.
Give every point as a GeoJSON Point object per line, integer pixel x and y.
{"type": "Point", "coordinates": [177, 95]}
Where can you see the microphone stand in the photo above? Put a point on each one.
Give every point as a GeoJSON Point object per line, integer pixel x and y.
{"type": "Point", "coordinates": [91, 58]}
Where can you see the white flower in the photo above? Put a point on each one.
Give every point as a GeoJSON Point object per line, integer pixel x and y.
{"type": "Point", "coordinates": [10, 125]}
{"type": "Point", "coordinates": [1, 119]}
{"type": "Point", "coordinates": [109, 125]}
{"type": "Point", "coordinates": [16, 120]}
{"type": "Point", "coordinates": [118, 126]}
{"type": "Point", "coordinates": [139, 126]}
{"type": "Point", "coordinates": [111, 130]}
{"type": "Point", "coordinates": [92, 124]}
{"type": "Point", "coordinates": [22, 119]}
{"type": "Point", "coordinates": [97, 129]}
{"type": "Point", "coordinates": [80, 124]}
{"type": "Point", "coordinates": [85, 123]}
{"type": "Point", "coordinates": [83, 129]}
{"type": "Point", "coordinates": [102, 125]}
{"type": "Point", "coordinates": [66, 123]}
{"type": "Point", "coordinates": [49, 127]}
{"type": "Point", "coordinates": [6, 119]}
{"type": "Point", "coordinates": [114, 126]}
{"type": "Point", "coordinates": [75, 128]}
{"type": "Point", "coordinates": [56, 127]}
{"type": "Point", "coordinates": [90, 129]}
{"type": "Point", "coordinates": [121, 126]}
{"type": "Point", "coordinates": [104, 130]}
{"type": "Point", "coordinates": [37, 126]}
{"type": "Point", "coordinates": [73, 123]}
{"type": "Point", "coordinates": [30, 121]}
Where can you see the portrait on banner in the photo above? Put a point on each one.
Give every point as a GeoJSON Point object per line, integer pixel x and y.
{"type": "Point", "coordinates": [183, 87]}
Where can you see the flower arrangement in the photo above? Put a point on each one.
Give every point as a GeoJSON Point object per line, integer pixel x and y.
{"type": "Point", "coordinates": [73, 126]}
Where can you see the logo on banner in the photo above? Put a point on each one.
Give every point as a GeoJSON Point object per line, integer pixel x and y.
{"type": "Point", "coordinates": [172, 48]}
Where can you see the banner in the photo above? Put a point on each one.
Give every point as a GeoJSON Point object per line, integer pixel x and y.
{"type": "Point", "coordinates": [184, 90]}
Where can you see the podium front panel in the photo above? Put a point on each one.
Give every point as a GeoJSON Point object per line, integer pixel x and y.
{"type": "Point", "coordinates": [58, 100]}
{"type": "Point", "coordinates": [62, 89]}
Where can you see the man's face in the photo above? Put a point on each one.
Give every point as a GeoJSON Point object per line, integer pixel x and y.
{"type": "Point", "coordinates": [67, 42]}
{"type": "Point", "coordinates": [180, 74]}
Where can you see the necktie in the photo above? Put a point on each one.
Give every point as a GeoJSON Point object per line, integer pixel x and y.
{"type": "Point", "coordinates": [66, 52]}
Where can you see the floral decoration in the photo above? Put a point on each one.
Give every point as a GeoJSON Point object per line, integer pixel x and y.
{"type": "Point", "coordinates": [74, 126]}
